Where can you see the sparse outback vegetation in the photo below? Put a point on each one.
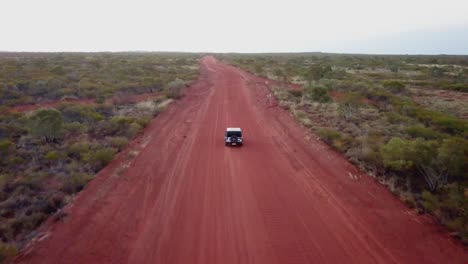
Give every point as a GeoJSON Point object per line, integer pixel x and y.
{"type": "Point", "coordinates": [48, 155]}
{"type": "Point", "coordinates": [403, 119]}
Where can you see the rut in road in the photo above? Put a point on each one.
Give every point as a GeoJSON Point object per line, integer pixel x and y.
{"type": "Point", "coordinates": [284, 197]}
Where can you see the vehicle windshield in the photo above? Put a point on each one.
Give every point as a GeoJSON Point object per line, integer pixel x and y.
{"type": "Point", "coordinates": [233, 133]}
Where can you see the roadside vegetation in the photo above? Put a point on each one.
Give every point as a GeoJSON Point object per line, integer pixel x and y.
{"type": "Point", "coordinates": [50, 154]}
{"type": "Point", "coordinates": [403, 119]}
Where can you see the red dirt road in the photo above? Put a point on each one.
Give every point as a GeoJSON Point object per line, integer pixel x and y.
{"type": "Point", "coordinates": [284, 197]}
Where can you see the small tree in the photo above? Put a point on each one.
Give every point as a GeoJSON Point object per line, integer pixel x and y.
{"type": "Point", "coordinates": [435, 161]}
{"type": "Point", "coordinates": [424, 155]}
{"type": "Point", "coordinates": [395, 154]}
{"type": "Point", "coordinates": [453, 156]}
{"type": "Point", "coordinates": [47, 123]}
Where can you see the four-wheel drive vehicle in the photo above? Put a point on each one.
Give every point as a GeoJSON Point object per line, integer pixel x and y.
{"type": "Point", "coordinates": [233, 136]}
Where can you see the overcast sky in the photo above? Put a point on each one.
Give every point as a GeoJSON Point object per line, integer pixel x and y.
{"type": "Point", "coordinates": [357, 26]}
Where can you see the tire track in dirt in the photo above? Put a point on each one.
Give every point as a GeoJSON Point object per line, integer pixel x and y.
{"type": "Point", "coordinates": [284, 197]}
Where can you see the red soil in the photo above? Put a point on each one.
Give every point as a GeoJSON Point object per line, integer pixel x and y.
{"type": "Point", "coordinates": [284, 197]}
{"type": "Point", "coordinates": [336, 96]}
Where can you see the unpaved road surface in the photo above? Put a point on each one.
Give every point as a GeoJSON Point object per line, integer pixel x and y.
{"type": "Point", "coordinates": [178, 195]}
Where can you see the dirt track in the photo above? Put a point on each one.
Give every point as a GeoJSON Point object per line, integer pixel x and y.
{"type": "Point", "coordinates": [283, 197]}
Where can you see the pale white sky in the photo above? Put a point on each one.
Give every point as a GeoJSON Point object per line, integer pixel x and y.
{"type": "Point", "coordinates": [365, 26]}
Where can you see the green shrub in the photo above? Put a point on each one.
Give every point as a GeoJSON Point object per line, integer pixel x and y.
{"type": "Point", "coordinates": [7, 252]}
{"type": "Point", "coordinates": [133, 129]}
{"type": "Point", "coordinates": [32, 221]}
{"type": "Point", "coordinates": [450, 124]}
{"type": "Point", "coordinates": [453, 156]}
{"type": "Point", "coordinates": [328, 135]}
{"type": "Point", "coordinates": [349, 105]}
{"type": "Point", "coordinates": [118, 142]}
{"type": "Point", "coordinates": [422, 131]}
{"type": "Point", "coordinates": [395, 118]}
{"type": "Point", "coordinates": [460, 87]}
{"type": "Point", "coordinates": [319, 94]}
{"type": "Point", "coordinates": [100, 99]}
{"type": "Point", "coordinates": [449, 205]}
{"type": "Point", "coordinates": [75, 128]}
{"type": "Point", "coordinates": [47, 123]}
{"type": "Point", "coordinates": [334, 138]}
{"type": "Point", "coordinates": [101, 157]}
{"type": "Point", "coordinates": [80, 113]}
{"type": "Point", "coordinates": [6, 146]}
{"type": "Point", "coordinates": [435, 161]}
{"type": "Point", "coordinates": [295, 93]}
{"type": "Point", "coordinates": [429, 201]}
{"type": "Point", "coordinates": [395, 154]}
{"type": "Point", "coordinates": [174, 89]}
{"type": "Point", "coordinates": [76, 182]}
{"type": "Point", "coordinates": [143, 121]}
{"type": "Point", "coordinates": [379, 96]}
{"type": "Point", "coordinates": [122, 120]}
{"type": "Point", "coordinates": [436, 72]}
{"type": "Point", "coordinates": [4, 179]}
{"type": "Point", "coordinates": [79, 149]}
{"type": "Point", "coordinates": [394, 86]}
{"type": "Point", "coordinates": [443, 122]}
{"type": "Point", "coordinates": [52, 156]}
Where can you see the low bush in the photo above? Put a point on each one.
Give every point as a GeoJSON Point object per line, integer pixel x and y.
{"type": "Point", "coordinates": [318, 94]}
{"type": "Point", "coordinates": [446, 205]}
{"type": "Point", "coordinates": [52, 156]}
{"type": "Point", "coordinates": [118, 142]}
{"type": "Point", "coordinates": [295, 93]}
{"type": "Point", "coordinates": [122, 120]}
{"type": "Point", "coordinates": [421, 131]}
{"type": "Point", "coordinates": [79, 113]}
{"type": "Point", "coordinates": [6, 146]}
{"type": "Point", "coordinates": [394, 86]}
{"type": "Point", "coordinates": [334, 138]}
{"type": "Point", "coordinates": [75, 183]}
{"type": "Point", "coordinates": [349, 105]}
{"type": "Point", "coordinates": [133, 129]}
{"type": "Point", "coordinates": [7, 252]}
{"type": "Point", "coordinates": [174, 89]}
{"type": "Point", "coordinates": [75, 128]}
{"type": "Point", "coordinates": [79, 150]}
{"type": "Point", "coordinates": [101, 157]}
{"type": "Point", "coordinates": [395, 154]}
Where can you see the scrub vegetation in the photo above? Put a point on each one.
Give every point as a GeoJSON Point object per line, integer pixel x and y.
{"type": "Point", "coordinates": [50, 154]}
{"type": "Point", "coordinates": [403, 119]}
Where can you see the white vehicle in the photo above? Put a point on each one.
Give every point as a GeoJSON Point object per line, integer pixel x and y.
{"type": "Point", "coordinates": [233, 136]}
